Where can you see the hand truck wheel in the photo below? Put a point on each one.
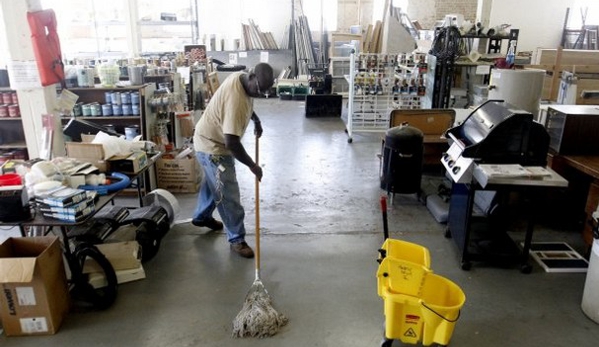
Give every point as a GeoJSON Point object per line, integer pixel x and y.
{"type": "Point", "coordinates": [386, 342]}
{"type": "Point", "coordinates": [100, 298]}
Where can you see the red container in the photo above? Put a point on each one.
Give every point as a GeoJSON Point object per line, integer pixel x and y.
{"type": "Point", "coordinates": [10, 180]}
{"type": "Point", "coordinates": [15, 99]}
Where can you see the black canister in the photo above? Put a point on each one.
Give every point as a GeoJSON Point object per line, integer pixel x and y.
{"type": "Point", "coordinates": [402, 160]}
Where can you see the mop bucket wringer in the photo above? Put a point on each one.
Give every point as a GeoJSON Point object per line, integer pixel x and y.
{"type": "Point", "coordinates": [419, 306]}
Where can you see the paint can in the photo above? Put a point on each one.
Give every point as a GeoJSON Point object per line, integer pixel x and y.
{"type": "Point", "coordinates": [116, 98]}
{"type": "Point", "coordinates": [117, 110]}
{"type": "Point", "coordinates": [3, 111]}
{"type": "Point", "coordinates": [6, 98]}
{"type": "Point", "coordinates": [127, 109]}
{"type": "Point", "coordinates": [14, 111]}
{"type": "Point", "coordinates": [96, 109]}
{"type": "Point", "coordinates": [107, 110]}
{"type": "Point", "coordinates": [131, 132]}
{"type": "Point", "coordinates": [85, 77]}
{"type": "Point", "coordinates": [135, 97]}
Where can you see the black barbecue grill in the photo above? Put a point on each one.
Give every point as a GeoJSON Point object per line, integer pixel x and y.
{"type": "Point", "coordinates": [494, 133]}
{"type": "Point", "coordinates": [498, 132]}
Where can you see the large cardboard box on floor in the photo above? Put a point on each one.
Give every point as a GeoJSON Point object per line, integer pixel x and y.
{"type": "Point", "coordinates": [35, 298]}
{"type": "Point", "coordinates": [179, 175]}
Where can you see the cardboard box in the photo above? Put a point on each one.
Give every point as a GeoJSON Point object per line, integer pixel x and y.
{"type": "Point", "coordinates": [181, 175]}
{"type": "Point", "coordinates": [35, 297]}
{"type": "Point", "coordinates": [88, 152]}
{"type": "Point", "coordinates": [124, 255]}
{"type": "Point", "coordinates": [98, 280]}
{"type": "Point", "coordinates": [129, 164]}
{"type": "Point", "coordinates": [179, 187]}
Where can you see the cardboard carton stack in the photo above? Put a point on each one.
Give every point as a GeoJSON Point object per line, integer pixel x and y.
{"type": "Point", "coordinates": [178, 173]}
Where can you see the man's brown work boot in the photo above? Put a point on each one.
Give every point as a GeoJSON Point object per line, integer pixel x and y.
{"type": "Point", "coordinates": [242, 249]}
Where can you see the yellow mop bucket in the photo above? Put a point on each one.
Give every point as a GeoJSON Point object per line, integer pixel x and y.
{"type": "Point", "coordinates": [429, 317]}
{"type": "Point", "coordinates": [441, 301]}
{"type": "Point", "coordinates": [401, 276]}
{"type": "Point", "coordinates": [409, 251]}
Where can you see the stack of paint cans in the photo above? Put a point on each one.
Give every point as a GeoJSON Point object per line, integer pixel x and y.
{"type": "Point", "coordinates": [9, 105]}
{"type": "Point", "coordinates": [121, 104]}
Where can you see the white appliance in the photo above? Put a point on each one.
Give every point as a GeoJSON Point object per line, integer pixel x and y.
{"type": "Point", "coordinates": [522, 88]}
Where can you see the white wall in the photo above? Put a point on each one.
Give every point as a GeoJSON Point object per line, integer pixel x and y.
{"type": "Point", "coordinates": [223, 17]}
{"type": "Point", "coordinates": [540, 21]}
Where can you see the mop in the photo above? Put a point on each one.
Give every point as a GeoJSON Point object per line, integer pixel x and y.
{"type": "Point", "coordinates": [257, 317]}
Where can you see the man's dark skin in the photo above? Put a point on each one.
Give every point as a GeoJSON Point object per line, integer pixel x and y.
{"type": "Point", "coordinates": [233, 142]}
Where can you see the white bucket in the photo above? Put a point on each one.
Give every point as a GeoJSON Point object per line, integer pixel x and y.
{"type": "Point", "coordinates": [590, 295]}
{"type": "Point", "coordinates": [85, 77]}
{"type": "Point", "coordinates": [131, 132]}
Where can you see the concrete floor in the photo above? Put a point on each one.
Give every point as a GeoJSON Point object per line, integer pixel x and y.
{"type": "Point", "coordinates": [322, 226]}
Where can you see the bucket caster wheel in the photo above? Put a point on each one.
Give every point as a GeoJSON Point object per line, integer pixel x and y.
{"type": "Point", "coordinates": [350, 140]}
{"type": "Point", "coordinates": [387, 342]}
{"type": "Point", "coordinates": [447, 233]}
{"type": "Point", "coordinates": [525, 268]}
{"type": "Point", "coordinates": [466, 265]}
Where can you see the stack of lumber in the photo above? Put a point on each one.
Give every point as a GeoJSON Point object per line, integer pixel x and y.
{"type": "Point", "coordinates": [254, 39]}
{"type": "Point", "coordinates": [304, 45]}
{"type": "Point", "coordinates": [372, 40]}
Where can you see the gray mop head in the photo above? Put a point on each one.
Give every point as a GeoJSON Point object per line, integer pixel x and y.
{"type": "Point", "coordinates": [258, 318]}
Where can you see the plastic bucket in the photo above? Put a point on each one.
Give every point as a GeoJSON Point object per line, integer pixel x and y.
{"type": "Point", "coordinates": [401, 277]}
{"type": "Point", "coordinates": [10, 180]}
{"type": "Point", "coordinates": [429, 318]}
{"type": "Point", "coordinates": [441, 303]}
{"type": "Point", "coordinates": [403, 318]}
{"type": "Point", "coordinates": [409, 251]}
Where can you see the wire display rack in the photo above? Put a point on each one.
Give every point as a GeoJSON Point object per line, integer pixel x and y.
{"type": "Point", "coordinates": [378, 84]}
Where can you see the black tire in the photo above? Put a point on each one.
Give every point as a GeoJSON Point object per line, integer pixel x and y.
{"type": "Point", "coordinates": [150, 244]}
{"type": "Point", "coordinates": [103, 297]}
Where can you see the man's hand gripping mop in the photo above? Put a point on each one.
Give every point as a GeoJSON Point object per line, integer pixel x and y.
{"type": "Point", "coordinates": [257, 318]}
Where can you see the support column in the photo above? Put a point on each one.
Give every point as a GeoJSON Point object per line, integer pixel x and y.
{"type": "Point", "coordinates": [33, 100]}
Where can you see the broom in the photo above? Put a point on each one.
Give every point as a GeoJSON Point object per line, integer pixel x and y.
{"type": "Point", "coordinates": [257, 317]}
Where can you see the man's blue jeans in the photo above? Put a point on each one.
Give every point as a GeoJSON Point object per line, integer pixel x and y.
{"type": "Point", "coordinates": [220, 190]}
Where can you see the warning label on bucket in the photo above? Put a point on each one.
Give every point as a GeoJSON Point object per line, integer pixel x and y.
{"type": "Point", "coordinates": [412, 319]}
{"type": "Point", "coordinates": [410, 333]}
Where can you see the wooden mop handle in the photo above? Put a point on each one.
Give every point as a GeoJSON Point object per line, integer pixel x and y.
{"type": "Point", "coordinates": [257, 205]}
